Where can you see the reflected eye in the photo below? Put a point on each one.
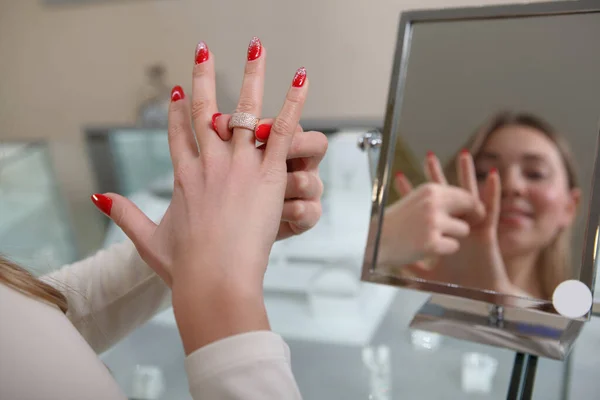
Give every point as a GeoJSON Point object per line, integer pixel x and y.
{"type": "Point", "coordinates": [535, 175]}
{"type": "Point", "coordinates": [481, 175]}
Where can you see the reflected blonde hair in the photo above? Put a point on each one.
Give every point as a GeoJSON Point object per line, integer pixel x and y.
{"type": "Point", "coordinates": [23, 281]}
{"type": "Point", "coordinates": [554, 263]}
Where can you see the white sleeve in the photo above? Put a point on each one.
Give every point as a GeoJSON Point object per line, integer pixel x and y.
{"type": "Point", "coordinates": [253, 365]}
{"type": "Point", "coordinates": [110, 294]}
{"type": "Point", "coordinates": [43, 357]}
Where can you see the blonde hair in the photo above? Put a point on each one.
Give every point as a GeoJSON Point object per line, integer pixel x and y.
{"type": "Point", "coordinates": [554, 262]}
{"type": "Point", "coordinates": [23, 281]}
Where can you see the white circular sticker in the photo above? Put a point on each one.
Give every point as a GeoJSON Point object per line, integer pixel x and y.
{"type": "Point", "coordinates": [572, 299]}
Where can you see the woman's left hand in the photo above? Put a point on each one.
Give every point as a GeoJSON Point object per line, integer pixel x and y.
{"type": "Point", "coordinates": [302, 207]}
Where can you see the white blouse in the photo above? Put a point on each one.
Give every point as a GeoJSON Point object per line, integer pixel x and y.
{"type": "Point", "coordinates": [110, 294]}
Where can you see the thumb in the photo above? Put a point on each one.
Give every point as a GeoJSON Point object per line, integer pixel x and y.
{"type": "Point", "coordinates": [492, 198]}
{"type": "Point", "coordinates": [134, 223]}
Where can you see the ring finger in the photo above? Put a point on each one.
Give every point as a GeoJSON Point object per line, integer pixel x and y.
{"type": "Point", "coordinates": [251, 94]}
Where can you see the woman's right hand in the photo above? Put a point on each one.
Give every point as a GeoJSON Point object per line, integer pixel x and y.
{"type": "Point", "coordinates": [213, 243]}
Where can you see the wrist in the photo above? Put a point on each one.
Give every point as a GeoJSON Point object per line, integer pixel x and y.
{"type": "Point", "coordinates": [206, 312]}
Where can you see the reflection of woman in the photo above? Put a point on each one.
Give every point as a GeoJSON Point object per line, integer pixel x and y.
{"type": "Point", "coordinates": [523, 171]}
{"type": "Point", "coordinates": [230, 202]}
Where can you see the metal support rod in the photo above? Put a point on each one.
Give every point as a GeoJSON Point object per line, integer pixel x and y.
{"type": "Point", "coordinates": [523, 377]}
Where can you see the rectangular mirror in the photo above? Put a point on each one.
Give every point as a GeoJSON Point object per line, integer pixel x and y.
{"type": "Point", "coordinates": [514, 89]}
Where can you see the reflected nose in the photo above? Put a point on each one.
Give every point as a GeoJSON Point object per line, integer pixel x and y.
{"type": "Point", "coordinates": [512, 182]}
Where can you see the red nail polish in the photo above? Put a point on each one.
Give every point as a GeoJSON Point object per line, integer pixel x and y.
{"type": "Point", "coordinates": [214, 120]}
{"type": "Point", "coordinates": [201, 53]}
{"type": "Point", "coordinates": [177, 93]}
{"type": "Point", "coordinates": [399, 175]}
{"type": "Point", "coordinates": [464, 151]}
{"type": "Point", "coordinates": [262, 132]}
{"type": "Point", "coordinates": [494, 170]}
{"type": "Point", "coordinates": [254, 49]}
{"type": "Point", "coordinates": [104, 203]}
{"type": "Point", "coordinates": [430, 154]}
{"type": "Point", "coordinates": [299, 78]}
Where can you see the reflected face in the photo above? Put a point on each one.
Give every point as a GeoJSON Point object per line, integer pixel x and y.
{"type": "Point", "coordinates": [536, 200]}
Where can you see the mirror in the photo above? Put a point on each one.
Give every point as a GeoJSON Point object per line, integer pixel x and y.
{"type": "Point", "coordinates": [514, 89]}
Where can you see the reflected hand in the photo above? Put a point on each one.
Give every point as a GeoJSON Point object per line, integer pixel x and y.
{"type": "Point", "coordinates": [302, 207]}
{"type": "Point", "coordinates": [477, 263]}
{"type": "Point", "coordinates": [427, 221]}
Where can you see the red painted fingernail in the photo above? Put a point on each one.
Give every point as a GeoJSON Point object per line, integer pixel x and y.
{"type": "Point", "coordinates": [214, 120]}
{"type": "Point", "coordinates": [464, 151]}
{"type": "Point", "coordinates": [177, 93]}
{"type": "Point", "coordinates": [494, 170]}
{"type": "Point", "coordinates": [430, 154]}
{"type": "Point", "coordinates": [104, 203]}
{"type": "Point", "coordinates": [201, 53]}
{"type": "Point", "coordinates": [262, 132]}
{"type": "Point", "coordinates": [300, 77]}
{"type": "Point", "coordinates": [254, 49]}
{"type": "Point", "coordinates": [399, 175]}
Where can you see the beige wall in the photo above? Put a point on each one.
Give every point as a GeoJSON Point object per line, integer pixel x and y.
{"type": "Point", "coordinates": [63, 68]}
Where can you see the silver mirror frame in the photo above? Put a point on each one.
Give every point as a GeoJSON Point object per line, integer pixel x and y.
{"type": "Point", "coordinates": [385, 145]}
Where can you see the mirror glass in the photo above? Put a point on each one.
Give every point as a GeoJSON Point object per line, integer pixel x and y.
{"type": "Point", "coordinates": [517, 96]}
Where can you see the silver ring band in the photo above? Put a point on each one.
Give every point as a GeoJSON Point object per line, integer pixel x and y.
{"type": "Point", "coordinates": [243, 120]}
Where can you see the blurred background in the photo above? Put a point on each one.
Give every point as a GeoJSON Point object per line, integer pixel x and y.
{"type": "Point", "coordinates": [82, 94]}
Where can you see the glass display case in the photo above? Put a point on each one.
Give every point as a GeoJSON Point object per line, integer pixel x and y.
{"type": "Point", "coordinates": [349, 339]}
{"type": "Point", "coordinates": [34, 226]}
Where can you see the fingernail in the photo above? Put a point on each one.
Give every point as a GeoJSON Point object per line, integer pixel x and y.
{"type": "Point", "coordinates": [214, 120]}
{"type": "Point", "coordinates": [494, 170]}
{"type": "Point", "coordinates": [430, 154]}
{"type": "Point", "coordinates": [201, 52]}
{"type": "Point", "coordinates": [464, 151]}
{"type": "Point", "coordinates": [299, 78]}
{"type": "Point", "coordinates": [262, 132]}
{"type": "Point", "coordinates": [399, 175]}
{"type": "Point", "coordinates": [104, 203]}
{"type": "Point", "coordinates": [177, 93]}
{"type": "Point", "coordinates": [254, 49]}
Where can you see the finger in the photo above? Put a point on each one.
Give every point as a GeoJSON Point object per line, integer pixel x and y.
{"type": "Point", "coordinates": [459, 202]}
{"type": "Point", "coordinates": [444, 246]}
{"type": "Point", "coordinates": [127, 216]}
{"type": "Point", "coordinates": [308, 147]}
{"type": "Point", "coordinates": [491, 198]}
{"type": "Point", "coordinates": [303, 185]}
{"type": "Point", "coordinates": [301, 215]}
{"type": "Point", "coordinates": [220, 124]}
{"type": "Point", "coordinates": [454, 227]}
{"type": "Point", "coordinates": [466, 173]}
{"type": "Point", "coordinates": [204, 97]}
{"type": "Point", "coordinates": [284, 126]}
{"type": "Point", "coordinates": [251, 94]}
{"type": "Point", "coordinates": [402, 184]}
{"type": "Point", "coordinates": [182, 143]}
{"type": "Point", "coordinates": [433, 169]}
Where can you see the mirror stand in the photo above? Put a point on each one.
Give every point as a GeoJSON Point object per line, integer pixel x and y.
{"type": "Point", "coordinates": [545, 336]}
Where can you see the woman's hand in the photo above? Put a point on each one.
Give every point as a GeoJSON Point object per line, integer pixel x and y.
{"type": "Point", "coordinates": [302, 207]}
{"type": "Point", "coordinates": [427, 221]}
{"type": "Point", "coordinates": [477, 263]}
{"type": "Point", "coordinates": [213, 243]}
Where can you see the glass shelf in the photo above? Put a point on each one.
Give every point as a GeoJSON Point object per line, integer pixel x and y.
{"type": "Point", "coordinates": [34, 228]}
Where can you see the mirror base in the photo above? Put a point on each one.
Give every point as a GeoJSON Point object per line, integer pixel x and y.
{"type": "Point", "coordinates": [544, 335]}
